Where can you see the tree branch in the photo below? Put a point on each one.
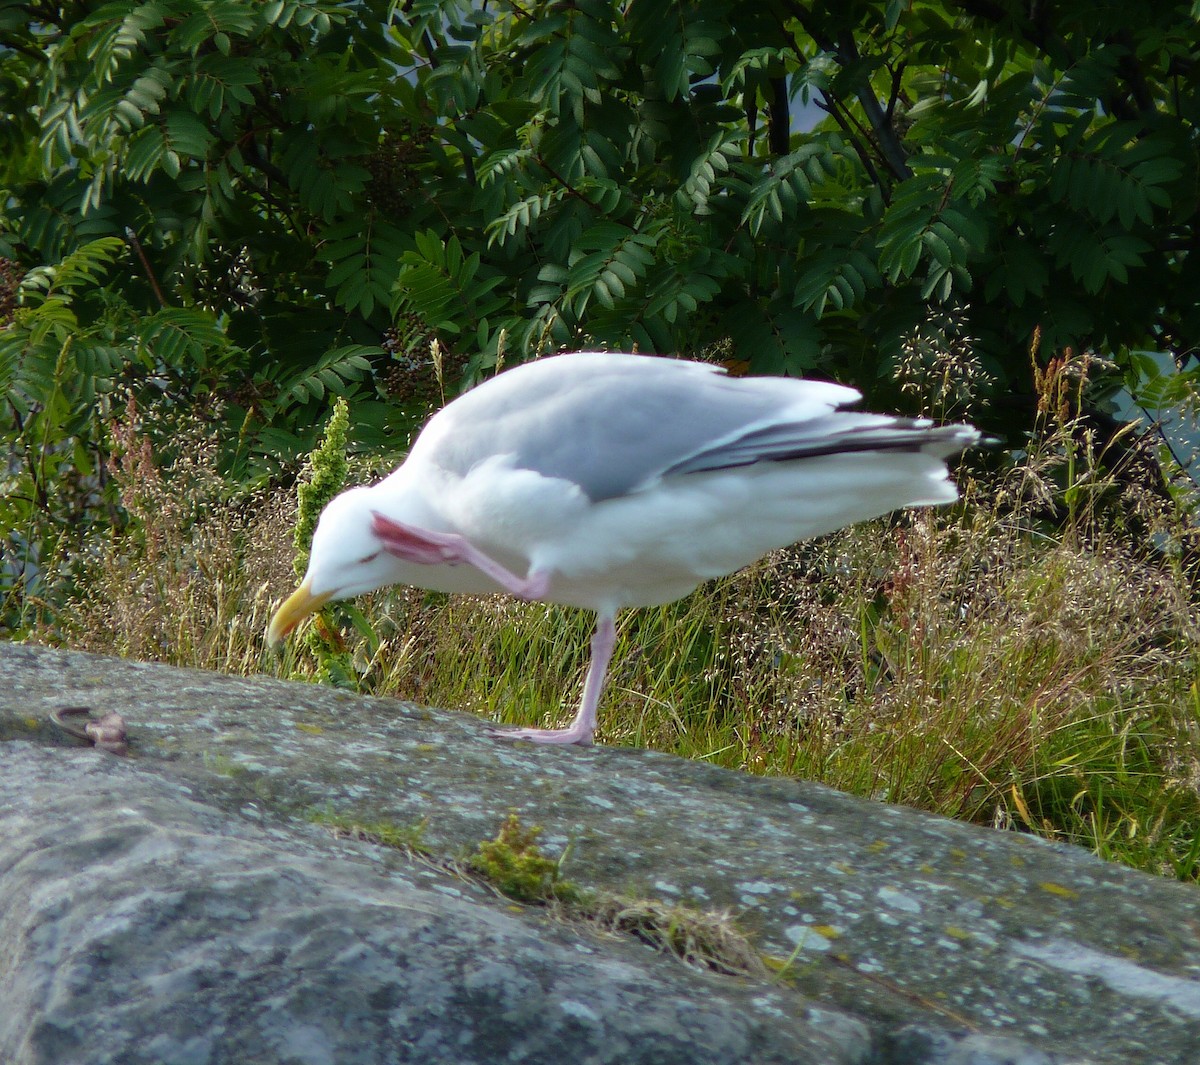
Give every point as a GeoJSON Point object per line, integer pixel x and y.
{"type": "Point", "coordinates": [884, 138]}
{"type": "Point", "coordinates": [888, 143]}
{"type": "Point", "coordinates": [779, 118]}
{"type": "Point", "coordinates": [38, 55]}
{"type": "Point", "coordinates": [833, 107]}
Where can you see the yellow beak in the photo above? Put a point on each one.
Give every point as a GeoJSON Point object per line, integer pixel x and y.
{"type": "Point", "coordinates": [294, 610]}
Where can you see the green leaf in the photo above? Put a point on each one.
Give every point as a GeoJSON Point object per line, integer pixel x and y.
{"type": "Point", "coordinates": [336, 370]}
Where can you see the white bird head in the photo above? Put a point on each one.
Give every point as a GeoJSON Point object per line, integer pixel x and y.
{"type": "Point", "coordinates": [346, 559]}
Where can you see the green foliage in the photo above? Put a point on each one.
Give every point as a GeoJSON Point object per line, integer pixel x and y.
{"type": "Point", "coordinates": [515, 865]}
{"type": "Point", "coordinates": [148, 193]}
{"type": "Point", "coordinates": [326, 478]}
{"type": "Point", "coordinates": [796, 180]}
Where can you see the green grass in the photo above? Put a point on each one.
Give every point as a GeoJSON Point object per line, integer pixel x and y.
{"type": "Point", "coordinates": [982, 661]}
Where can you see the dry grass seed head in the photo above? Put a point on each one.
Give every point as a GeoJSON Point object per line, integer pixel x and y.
{"type": "Point", "coordinates": [703, 940]}
{"type": "Point", "coordinates": [187, 579]}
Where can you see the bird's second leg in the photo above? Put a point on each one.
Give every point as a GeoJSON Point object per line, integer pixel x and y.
{"type": "Point", "coordinates": [428, 548]}
{"type": "Point", "coordinates": [579, 731]}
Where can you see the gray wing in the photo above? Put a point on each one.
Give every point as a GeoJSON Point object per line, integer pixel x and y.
{"type": "Point", "coordinates": [613, 423]}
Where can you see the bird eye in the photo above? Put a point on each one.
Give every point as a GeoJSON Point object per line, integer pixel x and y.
{"type": "Point", "coordinates": [369, 558]}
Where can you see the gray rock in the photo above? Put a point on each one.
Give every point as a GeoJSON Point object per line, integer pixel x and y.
{"type": "Point", "coordinates": [179, 906]}
{"type": "Point", "coordinates": [141, 926]}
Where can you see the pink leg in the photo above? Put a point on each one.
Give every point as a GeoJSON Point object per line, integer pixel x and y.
{"type": "Point", "coordinates": [581, 729]}
{"type": "Point", "coordinates": [428, 548]}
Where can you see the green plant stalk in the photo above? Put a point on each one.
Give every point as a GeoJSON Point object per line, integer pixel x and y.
{"type": "Point", "coordinates": [327, 477]}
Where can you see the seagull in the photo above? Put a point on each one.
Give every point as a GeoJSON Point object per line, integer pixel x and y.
{"type": "Point", "coordinates": [603, 481]}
